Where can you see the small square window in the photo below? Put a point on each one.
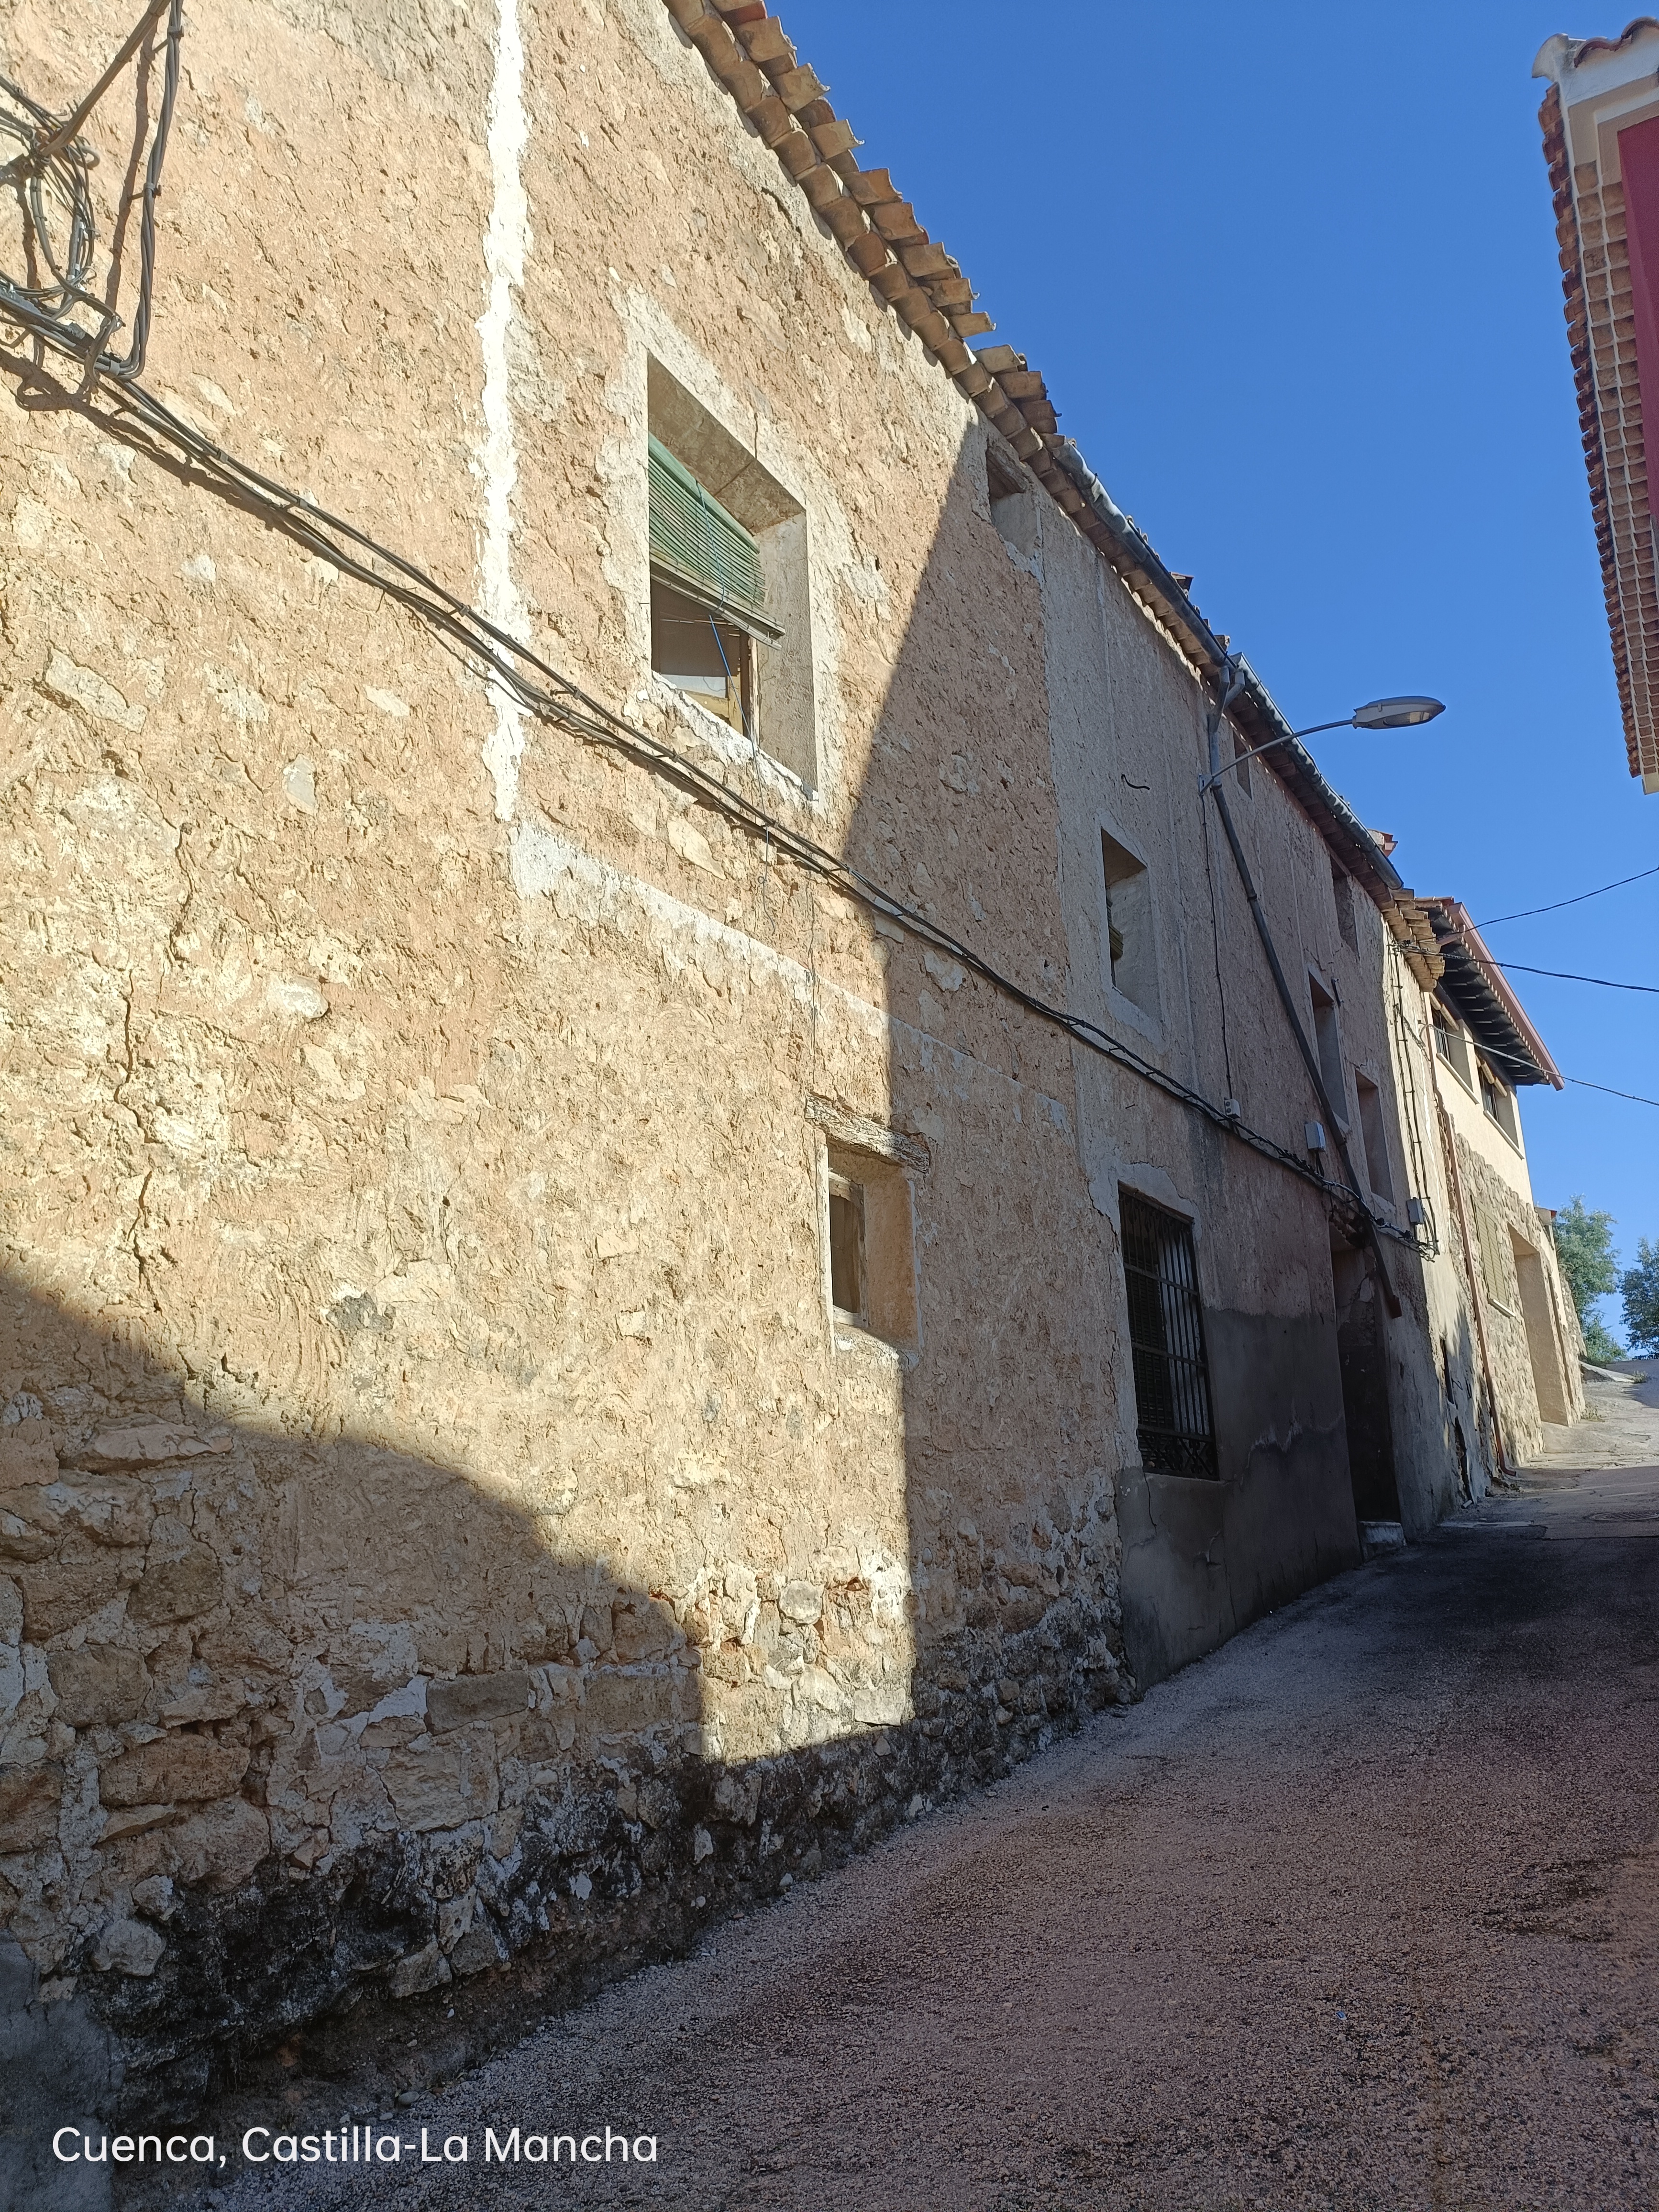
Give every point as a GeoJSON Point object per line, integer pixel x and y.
{"type": "Point", "coordinates": [1242, 771]}
{"type": "Point", "coordinates": [847, 1246]}
{"type": "Point", "coordinates": [1327, 1039]}
{"type": "Point", "coordinates": [1450, 1043]}
{"type": "Point", "coordinates": [1374, 1133]}
{"type": "Point", "coordinates": [1132, 951]}
{"type": "Point", "coordinates": [869, 1219]}
{"type": "Point", "coordinates": [1011, 505]}
{"type": "Point", "coordinates": [730, 603]}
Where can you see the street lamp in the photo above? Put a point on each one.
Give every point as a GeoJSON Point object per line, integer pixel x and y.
{"type": "Point", "coordinates": [1381, 714]}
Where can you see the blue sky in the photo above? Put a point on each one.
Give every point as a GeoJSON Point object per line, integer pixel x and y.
{"type": "Point", "coordinates": [1290, 271]}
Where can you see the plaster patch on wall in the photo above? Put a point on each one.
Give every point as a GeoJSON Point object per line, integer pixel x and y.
{"type": "Point", "coordinates": [507, 241]}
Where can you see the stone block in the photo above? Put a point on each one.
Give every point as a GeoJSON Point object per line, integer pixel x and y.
{"type": "Point", "coordinates": [221, 1848]}
{"type": "Point", "coordinates": [178, 1586]}
{"type": "Point", "coordinates": [62, 1595]}
{"type": "Point", "coordinates": [136, 1820]}
{"type": "Point", "coordinates": [177, 1768]}
{"type": "Point", "coordinates": [801, 1602]}
{"type": "Point", "coordinates": [148, 1444]}
{"type": "Point", "coordinates": [476, 1951]}
{"type": "Point", "coordinates": [478, 1697]}
{"type": "Point", "coordinates": [426, 1969]}
{"type": "Point", "coordinates": [98, 1684]}
{"type": "Point", "coordinates": [11, 1611]}
{"type": "Point", "coordinates": [128, 1947]}
{"type": "Point", "coordinates": [26, 1458]}
{"type": "Point", "coordinates": [437, 1785]}
{"type": "Point", "coordinates": [641, 1631]}
{"type": "Point", "coordinates": [622, 1701]}
{"type": "Point", "coordinates": [28, 1807]}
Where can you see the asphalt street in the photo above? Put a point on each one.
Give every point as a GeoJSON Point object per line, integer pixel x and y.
{"type": "Point", "coordinates": [1362, 1911]}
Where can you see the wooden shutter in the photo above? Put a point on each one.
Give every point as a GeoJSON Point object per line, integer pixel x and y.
{"type": "Point", "coordinates": [701, 550]}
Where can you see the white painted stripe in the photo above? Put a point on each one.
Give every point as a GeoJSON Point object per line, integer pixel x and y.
{"type": "Point", "coordinates": [507, 241]}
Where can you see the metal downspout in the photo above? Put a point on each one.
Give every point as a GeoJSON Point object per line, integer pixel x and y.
{"type": "Point", "coordinates": [1315, 1074]}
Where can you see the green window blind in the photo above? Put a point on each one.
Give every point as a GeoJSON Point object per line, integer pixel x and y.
{"type": "Point", "coordinates": [698, 545]}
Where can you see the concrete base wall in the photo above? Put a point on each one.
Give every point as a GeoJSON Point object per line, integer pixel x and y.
{"type": "Point", "coordinates": [1203, 1559]}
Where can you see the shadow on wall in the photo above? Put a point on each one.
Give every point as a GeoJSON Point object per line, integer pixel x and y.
{"type": "Point", "coordinates": [233, 1808]}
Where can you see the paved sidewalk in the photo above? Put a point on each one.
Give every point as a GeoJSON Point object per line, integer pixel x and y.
{"type": "Point", "coordinates": [1361, 1912]}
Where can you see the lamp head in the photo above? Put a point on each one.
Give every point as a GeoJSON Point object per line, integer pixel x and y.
{"type": "Point", "coordinates": [1397, 713]}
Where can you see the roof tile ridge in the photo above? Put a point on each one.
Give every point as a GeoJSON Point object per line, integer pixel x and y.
{"type": "Point", "coordinates": [788, 107]}
{"type": "Point", "coordinates": [1576, 305]}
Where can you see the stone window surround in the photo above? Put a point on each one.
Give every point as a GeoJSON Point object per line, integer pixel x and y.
{"type": "Point", "coordinates": [1133, 1012]}
{"type": "Point", "coordinates": [885, 1163]}
{"type": "Point", "coordinates": [1323, 981]}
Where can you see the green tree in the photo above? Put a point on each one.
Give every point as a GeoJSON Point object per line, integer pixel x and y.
{"type": "Point", "coordinates": [1583, 1244]}
{"type": "Point", "coordinates": [1640, 1287]}
{"type": "Point", "coordinates": [1599, 1345]}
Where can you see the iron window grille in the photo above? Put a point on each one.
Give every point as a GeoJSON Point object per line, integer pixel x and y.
{"type": "Point", "coordinates": [1173, 1423]}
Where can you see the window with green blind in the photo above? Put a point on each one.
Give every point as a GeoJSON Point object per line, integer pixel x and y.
{"type": "Point", "coordinates": [700, 548]}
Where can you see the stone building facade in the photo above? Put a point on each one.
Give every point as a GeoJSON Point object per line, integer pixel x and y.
{"type": "Point", "coordinates": [609, 1291]}
{"type": "Point", "coordinates": [1509, 1345]}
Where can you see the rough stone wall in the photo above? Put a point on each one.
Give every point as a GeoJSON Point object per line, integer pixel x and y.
{"type": "Point", "coordinates": [1447, 1459]}
{"type": "Point", "coordinates": [440, 1521]}
{"type": "Point", "coordinates": [1491, 1176]}
{"type": "Point", "coordinates": [1519, 1341]}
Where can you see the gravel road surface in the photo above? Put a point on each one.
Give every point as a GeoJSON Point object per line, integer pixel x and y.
{"type": "Point", "coordinates": [1364, 1910]}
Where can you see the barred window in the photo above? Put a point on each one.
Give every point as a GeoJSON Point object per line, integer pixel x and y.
{"type": "Point", "coordinates": [1173, 1423]}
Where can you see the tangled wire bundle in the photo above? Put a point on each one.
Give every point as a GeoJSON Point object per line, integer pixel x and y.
{"type": "Point", "coordinates": [50, 178]}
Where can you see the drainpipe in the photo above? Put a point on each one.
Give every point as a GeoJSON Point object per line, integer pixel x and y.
{"type": "Point", "coordinates": [1233, 685]}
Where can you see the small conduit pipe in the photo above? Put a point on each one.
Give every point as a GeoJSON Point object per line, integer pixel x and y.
{"type": "Point", "coordinates": [1232, 684]}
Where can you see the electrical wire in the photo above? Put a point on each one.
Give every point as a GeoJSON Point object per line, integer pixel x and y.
{"type": "Point", "coordinates": [131, 411]}
{"type": "Point", "coordinates": [1635, 1097]}
{"type": "Point", "coordinates": [1563, 976]}
{"type": "Point", "coordinates": [1600, 891]}
{"type": "Point", "coordinates": [112, 396]}
{"type": "Point", "coordinates": [52, 173]}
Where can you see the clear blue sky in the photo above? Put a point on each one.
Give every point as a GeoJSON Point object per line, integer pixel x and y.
{"type": "Point", "coordinates": [1291, 273]}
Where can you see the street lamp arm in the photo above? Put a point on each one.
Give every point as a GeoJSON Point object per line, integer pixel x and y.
{"type": "Point", "coordinates": [1288, 737]}
{"type": "Point", "coordinates": [1379, 715]}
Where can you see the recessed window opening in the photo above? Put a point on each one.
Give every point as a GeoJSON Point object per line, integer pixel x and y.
{"type": "Point", "coordinates": [1374, 1133]}
{"type": "Point", "coordinates": [1342, 892]}
{"type": "Point", "coordinates": [710, 660]}
{"type": "Point", "coordinates": [731, 614]}
{"type": "Point", "coordinates": [1496, 1099]}
{"type": "Point", "coordinates": [1011, 507]}
{"type": "Point", "coordinates": [870, 1219]}
{"type": "Point", "coordinates": [1242, 771]}
{"type": "Point", "coordinates": [1327, 1041]}
{"type": "Point", "coordinates": [1449, 1043]}
{"type": "Point", "coordinates": [1173, 1425]}
{"type": "Point", "coordinates": [847, 1246]}
{"type": "Point", "coordinates": [1131, 953]}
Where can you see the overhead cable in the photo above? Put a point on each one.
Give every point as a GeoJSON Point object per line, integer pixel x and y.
{"type": "Point", "coordinates": [51, 151]}
{"type": "Point", "coordinates": [1635, 1097]}
{"type": "Point", "coordinates": [1600, 891]}
{"type": "Point", "coordinates": [1562, 975]}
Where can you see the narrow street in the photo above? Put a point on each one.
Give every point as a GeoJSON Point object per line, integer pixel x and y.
{"type": "Point", "coordinates": [1362, 1911]}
